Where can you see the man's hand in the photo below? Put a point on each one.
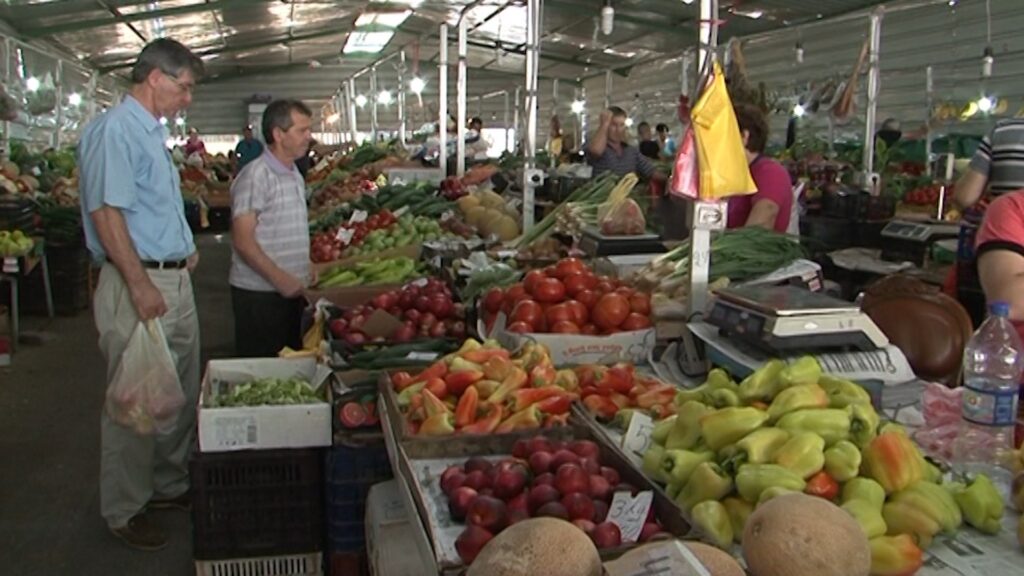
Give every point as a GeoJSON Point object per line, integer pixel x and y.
{"type": "Point", "coordinates": [192, 261]}
{"type": "Point", "coordinates": [291, 287]}
{"type": "Point", "coordinates": [606, 118]}
{"type": "Point", "coordinates": [147, 299]}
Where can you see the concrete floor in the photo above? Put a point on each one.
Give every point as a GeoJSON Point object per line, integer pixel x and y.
{"type": "Point", "coordinates": [50, 402]}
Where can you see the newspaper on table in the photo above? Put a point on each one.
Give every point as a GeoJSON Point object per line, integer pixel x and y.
{"type": "Point", "coordinates": [971, 553]}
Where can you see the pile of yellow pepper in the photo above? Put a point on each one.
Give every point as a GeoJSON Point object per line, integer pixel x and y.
{"type": "Point", "coordinates": [789, 428]}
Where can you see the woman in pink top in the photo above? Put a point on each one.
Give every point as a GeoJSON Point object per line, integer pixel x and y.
{"type": "Point", "coordinates": [771, 206]}
{"type": "Point", "coordinates": [194, 144]}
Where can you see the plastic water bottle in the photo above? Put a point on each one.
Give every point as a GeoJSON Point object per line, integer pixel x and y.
{"type": "Point", "coordinates": [992, 369]}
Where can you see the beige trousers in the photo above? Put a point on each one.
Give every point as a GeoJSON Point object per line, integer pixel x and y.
{"type": "Point", "coordinates": [135, 469]}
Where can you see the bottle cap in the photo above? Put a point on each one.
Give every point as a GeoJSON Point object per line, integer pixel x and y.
{"type": "Point", "coordinates": [999, 308]}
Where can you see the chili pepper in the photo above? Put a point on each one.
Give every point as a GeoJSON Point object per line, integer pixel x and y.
{"type": "Point", "coordinates": [711, 517]}
{"type": "Point", "coordinates": [758, 447]}
{"type": "Point", "coordinates": [620, 400]}
{"type": "Point", "coordinates": [739, 510]}
{"type": "Point", "coordinates": [405, 396]}
{"type": "Point", "coordinates": [465, 412]}
{"type": "Point", "coordinates": [514, 381]}
{"type": "Point", "coordinates": [869, 518]}
{"type": "Point", "coordinates": [457, 382]}
{"type": "Point", "coordinates": [522, 420]}
{"type": "Point", "coordinates": [864, 489]}
{"type": "Point", "coordinates": [934, 500]}
{"type": "Point", "coordinates": [980, 503]}
{"type": "Point", "coordinates": [525, 397]}
{"type": "Point", "coordinates": [842, 393]}
{"type": "Point", "coordinates": [803, 453]}
{"type": "Point", "coordinates": [543, 375]}
{"type": "Point", "coordinates": [486, 388]}
{"type": "Point", "coordinates": [589, 374]}
{"type": "Point", "coordinates": [498, 368]}
{"type": "Point", "coordinates": [763, 383]}
{"type": "Point", "coordinates": [558, 404]}
{"type": "Point", "coordinates": [772, 492]}
{"type": "Point", "coordinates": [895, 556]}
{"type": "Point", "coordinates": [487, 423]}
{"type": "Point", "coordinates": [482, 355]}
{"type": "Point", "coordinates": [651, 463]}
{"type": "Point", "coordinates": [400, 380]}
{"type": "Point", "coordinates": [797, 398]}
{"type": "Point", "coordinates": [653, 397]}
{"type": "Point", "coordinates": [566, 380]}
{"type": "Point", "coordinates": [460, 364]}
{"type": "Point", "coordinates": [728, 425]}
{"type": "Point", "coordinates": [893, 461]}
{"type": "Point", "coordinates": [822, 485]}
{"type": "Point", "coordinates": [831, 424]}
{"type": "Point", "coordinates": [678, 465]}
{"type": "Point", "coordinates": [708, 482]}
{"type": "Point", "coordinates": [863, 423]}
{"type": "Point", "coordinates": [433, 405]}
{"type": "Point", "coordinates": [437, 387]}
{"type": "Point", "coordinates": [904, 518]}
{"type": "Point", "coordinates": [618, 378]}
{"type": "Point", "coordinates": [753, 479]}
{"type": "Point", "coordinates": [662, 429]}
{"type": "Point", "coordinates": [805, 370]}
{"type": "Point", "coordinates": [436, 370]}
{"type": "Point", "coordinates": [723, 398]}
{"type": "Point", "coordinates": [686, 431]}
{"type": "Point", "coordinates": [440, 424]}
{"type": "Point", "coordinates": [842, 461]}
{"type": "Point", "coordinates": [601, 406]}
{"type": "Point", "coordinates": [660, 411]}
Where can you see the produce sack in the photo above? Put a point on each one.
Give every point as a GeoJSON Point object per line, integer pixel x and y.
{"type": "Point", "coordinates": [685, 181]}
{"type": "Point", "coordinates": [624, 218]}
{"type": "Point", "coordinates": [723, 162]}
{"type": "Point", "coordinates": [145, 394]}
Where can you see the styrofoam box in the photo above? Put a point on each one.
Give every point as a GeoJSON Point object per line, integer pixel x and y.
{"type": "Point", "coordinates": [572, 349]}
{"type": "Point", "coordinates": [390, 537]}
{"type": "Point", "coordinates": [260, 427]}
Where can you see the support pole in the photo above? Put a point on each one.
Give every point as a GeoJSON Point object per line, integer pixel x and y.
{"type": "Point", "coordinates": [516, 120]}
{"type": "Point", "coordinates": [442, 90]}
{"type": "Point", "coordinates": [581, 119]}
{"type": "Point", "coordinates": [930, 94]}
{"type": "Point", "coordinates": [870, 178]}
{"type": "Point", "coordinates": [460, 88]}
{"type": "Point", "coordinates": [373, 101]}
{"type": "Point", "coordinates": [552, 159]}
{"type": "Point", "coordinates": [607, 89]}
{"type": "Point", "coordinates": [353, 114]}
{"type": "Point", "coordinates": [505, 119]}
{"type": "Point", "coordinates": [401, 99]}
{"type": "Point", "coordinates": [59, 128]}
{"type": "Point", "coordinates": [532, 177]}
{"type": "Point", "coordinates": [5, 139]}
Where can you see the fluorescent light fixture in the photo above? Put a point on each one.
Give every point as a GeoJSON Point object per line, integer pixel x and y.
{"type": "Point", "coordinates": [410, 3]}
{"type": "Point", "coordinates": [607, 18]}
{"type": "Point", "coordinates": [799, 110]}
{"type": "Point", "coordinates": [384, 97]}
{"type": "Point", "coordinates": [752, 14]}
{"type": "Point", "coordinates": [629, 122]}
{"type": "Point", "coordinates": [32, 84]}
{"type": "Point", "coordinates": [417, 85]}
{"type": "Point", "coordinates": [986, 104]}
{"type": "Point", "coordinates": [367, 42]}
{"type": "Point", "coordinates": [74, 99]}
{"type": "Point", "coordinates": [578, 107]}
{"type": "Point", "coordinates": [179, 121]}
{"type": "Point", "coordinates": [163, 121]}
{"type": "Point", "coordinates": [360, 100]}
{"type": "Point", "coordinates": [383, 19]}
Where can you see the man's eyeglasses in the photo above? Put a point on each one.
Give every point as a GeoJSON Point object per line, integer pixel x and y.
{"type": "Point", "coordinates": [181, 85]}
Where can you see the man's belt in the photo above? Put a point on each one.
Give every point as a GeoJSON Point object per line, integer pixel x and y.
{"type": "Point", "coordinates": [169, 265]}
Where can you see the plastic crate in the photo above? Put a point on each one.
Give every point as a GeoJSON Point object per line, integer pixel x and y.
{"type": "Point", "coordinates": [347, 564]}
{"type": "Point", "coordinates": [292, 565]}
{"type": "Point", "coordinates": [351, 471]}
{"type": "Point", "coordinates": [257, 503]}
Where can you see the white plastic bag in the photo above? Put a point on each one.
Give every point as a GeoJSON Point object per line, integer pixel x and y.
{"type": "Point", "coordinates": [146, 394]}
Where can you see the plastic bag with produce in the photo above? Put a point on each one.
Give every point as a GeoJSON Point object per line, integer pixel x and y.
{"type": "Point", "coordinates": [145, 394]}
{"type": "Point", "coordinates": [624, 219]}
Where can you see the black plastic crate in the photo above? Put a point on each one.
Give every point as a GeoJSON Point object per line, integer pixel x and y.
{"type": "Point", "coordinates": [257, 503]}
{"type": "Point", "coordinates": [220, 220]}
{"type": "Point", "coordinates": [351, 472]}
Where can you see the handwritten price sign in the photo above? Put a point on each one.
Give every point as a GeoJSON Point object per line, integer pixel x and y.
{"type": "Point", "coordinates": [638, 437]}
{"type": "Point", "coordinates": [630, 512]}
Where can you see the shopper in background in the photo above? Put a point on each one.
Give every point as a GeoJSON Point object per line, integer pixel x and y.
{"type": "Point", "coordinates": [666, 144]}
{"type": "Point", "coordinates": [476, 144]}
{"type": "Point", "coordinates": [772, 206]}
{"type": "Point", "coordinates": [608, 151]}
{"type": "Point", "coordinates": [305, 162]}
{"type": "Point", "coordinates": [135, 224]}
{"type": "Point", "coordinates": [248, 148]}
{"type": "Point", "coordinates": [270, 266]}
{"type": "Point", "coordinates": [194, 145]}
{"type": "Point", "coordinates": [646, 143]}
{"type": "Point", "coordinates": [996, 166]}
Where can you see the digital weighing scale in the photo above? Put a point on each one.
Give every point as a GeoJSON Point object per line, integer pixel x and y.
{"type": "Point", "coordinates": [782, 319]}
{"type": "Point", "coordinates": [906, 241]}
{"type": "Point", "coordinates": [596, 244]}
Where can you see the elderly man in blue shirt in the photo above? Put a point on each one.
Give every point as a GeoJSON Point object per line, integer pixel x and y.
{"type": "Point", "coordinates": [135, 225]}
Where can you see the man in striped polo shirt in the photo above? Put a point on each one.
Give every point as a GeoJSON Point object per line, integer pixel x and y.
{"type": "Point", "coordinates": [997, 166]}
{"type": "Point", "coordinates": [609, 152]}
{"type": "Point", "coordinates": [270, 266]}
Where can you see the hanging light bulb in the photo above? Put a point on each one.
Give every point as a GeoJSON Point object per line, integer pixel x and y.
{"type": "Point", "coordinates": [179, 121]}
{"type": "Point", "coordinates": [578, 107]}
{"type": "Point", "coordinates": [987, 59]}
{"type": "Point", "coordinates": [163, 121]}
{"type": "Point", "coordinates": [74, 99]}
{"type": "Point", "coordinates": [384, 97]}
{"type": "Point", "coordinates": [360, 100]}
{"type": "Point", "coordinates": [417, 85]}
{"type": "Point", "coordinates": [799, 52]}
{"type": "Point", "coordinates": [799, 110]}
{"type": "Point", "coordinates": [629, 122]}
{"type": "Point", "coordinates": [32, 84]}
{"type": "Point", "coordinates": [986, 104]}
{"type": "Point", "coordinates": [607, 18]}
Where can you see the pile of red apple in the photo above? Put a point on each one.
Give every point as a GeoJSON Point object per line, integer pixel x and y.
{"type": "Point", "coordinates": [426, 310]}
{"type": "Point", "coordinates": [542, 478]}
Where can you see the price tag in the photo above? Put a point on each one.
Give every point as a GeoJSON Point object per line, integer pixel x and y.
{"type": "Point", "coordinates": [36, 171]}
{"type": "Point", "coordinates": [447, 215]}
{"type": "Point", "coordinates": [664, 558]}
{"type": "Point", "coordinates": [420, 283]}
{"type": "Point", "coordinates": [637, 439]}
{"type": "Point", "coordinates": [629, 513]}
{"type": "Point", "coordinates": [424, 356]}
{"type": "Point", "coordinates": [503, 254]}
{"type": "Point", "coordinates": [10, 265]}
{"type": "Point", "coordinates": [344, 235]}
{"type": "Point", "coordinates": [357, 217]}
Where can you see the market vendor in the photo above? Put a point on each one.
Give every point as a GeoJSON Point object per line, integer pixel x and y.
{"type": "Point", "coordinates": [194, 145]}
{"type": "Point", "coordinates": [270, 266]}
{"type": "Point", "coordinates": [648, 146]}
{"type": "Point", "coordinates": [609, 152]}
{"type": "Point", "coordinates": [477, 144]}
{"type": "Point", "coordinates": [999, 246]}
{"type": "Point", "coordinates": [772, 205]}
{"type": "Point", "coordinates": [996, 165]}
{"type": "Point", "coordinates": [248, 148]}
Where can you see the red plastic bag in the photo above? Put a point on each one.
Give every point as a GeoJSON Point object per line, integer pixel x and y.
{"type": "Point", "coordinates": [685, 181]}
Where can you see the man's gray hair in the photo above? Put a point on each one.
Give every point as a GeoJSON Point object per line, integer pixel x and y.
{"type": "Point", "coordinates": [279, 115]}
{"type": "Point", "coordinates": [170, 57]}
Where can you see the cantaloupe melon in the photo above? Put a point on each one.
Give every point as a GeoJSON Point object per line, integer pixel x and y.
{"type": "Point", "coordinates": [717, 562]}
{"type": "Point", "coordinates": [474, 215]}
{"type": "Point", "coordinates": [547, 546]}
{"type": "Point", "coordinates": [505, 229]}
{"type": "Point", "coordinates": [490, 199]}
{"type": "Point", "coordinates": [467, 202]}
{"type": "Point", "coordinates": [801, 535]}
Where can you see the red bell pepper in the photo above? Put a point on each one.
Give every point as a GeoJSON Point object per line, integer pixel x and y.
{"type": "Point", "coordinates": [515, 381]}
{"type": "Point", "coordinates": [822, 485]}
{"type": "Point", "coordinates": [436, 370]}
{"type": "Point", "coordinates": [437, 387]}
{"type": "Point", "coordinates": [543, 375]}
{"type": "Point", "coordinates": [433, 405]}
{"type": "Point", "coordinates": [620, 400]}
{"type": "Point", "coordinates": [618, 378]}
{"type": "Point", "coordinates": [601, 406]}
{"type": "Point", "coordinates": [664, 394]}
{"type": "Point", "coordinates": [465, 412]}
{"type": "Point", "coordinates": [558, 404]}
{"type": "Point", "coordinates": [458, 381]}
{"type": "Point", "coordinates": [482, 355]}
{"type": "Point", "coordinates": [552, 420]}
{"type": "Point", "coordinates": [589, 374]}
{"type": "Point", "coordinates": [401, 380]}
{"type": "Point", "coordinates": [488, 423]}
{"type": "Point", "coordinates": [522, 420]}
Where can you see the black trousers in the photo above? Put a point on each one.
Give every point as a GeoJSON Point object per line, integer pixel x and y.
{"type": "Point", "coordinates": [265, 322]}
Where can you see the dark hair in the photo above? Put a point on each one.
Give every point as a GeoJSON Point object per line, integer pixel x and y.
{"type": "Point", "coordinates": [661, 127]}
{"type": "Point", "coordinates": [279, 115]}
{"type": "Point", "coordinates": [751, 119]}
{"type": "Point", "coordinates": [642, 124]}
{"type": "Point", "coordinates": [476, 120]}
{"type": "Point", "coordinates": [617, 112]}
{"type": "Point", "coordinates": [169, 56]}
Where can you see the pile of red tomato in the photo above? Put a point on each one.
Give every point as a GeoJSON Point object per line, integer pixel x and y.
{"type": "Point", "coordinates": [568, 298]}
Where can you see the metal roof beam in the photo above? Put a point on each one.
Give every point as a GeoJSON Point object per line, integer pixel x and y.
{"type": "Point", "coordinates": [80, 25]}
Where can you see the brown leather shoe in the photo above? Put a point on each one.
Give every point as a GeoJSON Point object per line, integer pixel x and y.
{"type": "Point", "coordinates": [183, 502]}
{"type": "Point", "coordinates": [140, 534]}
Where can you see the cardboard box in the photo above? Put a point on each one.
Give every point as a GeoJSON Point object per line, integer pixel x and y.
{"type": "Point", "coordinates": [572, 349]}
{"type": "Point", "coordinates": [260, 427]}
{"type": "Point", "coordinates": [390, 535]}
{"type": "Point", "coordinates": [349, 296]}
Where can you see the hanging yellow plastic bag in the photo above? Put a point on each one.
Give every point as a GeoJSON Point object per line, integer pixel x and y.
{"type": "Point", "coordinates": [723, 162]}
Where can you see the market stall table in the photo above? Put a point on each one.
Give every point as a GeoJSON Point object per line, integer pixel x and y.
{"type": "Point", "coordinates": [16, 268]}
